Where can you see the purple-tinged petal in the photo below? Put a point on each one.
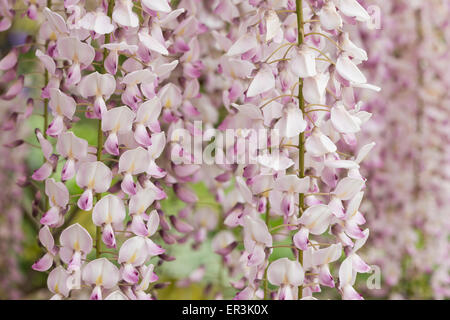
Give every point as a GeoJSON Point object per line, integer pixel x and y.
{"type": "Point", "coordinates": [73, 74]}
{"type": "Point", "coordinates": [96, 293]}
{"type": "Point", "coordinates": [180, 225]}
{"type": "Point", "coordinates": [44, 263]}
{"type": "Point", "coordinates": [349, 293]}
{"type": "Point", "coordinates": [300, 239]}
{"type": "Point", "coordinates": [128, 185]}
{"type": "Point", "coordinates": [43, 172]}
{"type": "Point", "coordinates": [138, 226]}
{"type": "Point", "coordinates": [112, 144]}
{"type": "Point", "coordinates": [9, 61]}
{"type": "Point", "coordinates": [75, 262]}
{"type": "Point", "coordinates": [141, 135]}
{"type": "Point", "coordinates": [85, 201]}
{"type": "Point", "coordinates": [108, 236]}
{"type": "Point", "coordinates": [185, 194]}
{"type": "Point", "coordinates": [14, 89]}
{"type": "Point", "coordinates": [359, 265]}
{"type": "Point", "coordinates": [256, 257]}
{"type": "Point", "coordinates": [68, 170]}
{"type": "Point", "coordinates": [153, 249]}
{"type": "Point", "coordinates": [51, 217]}
{"type": "Point", "coordinates": [99, 106]}
{"type": "Point", "coordinates": [130, 274]}
{"type": "Point", "coordinates": [111, 62]}
{"type": "Point", "coordinates": [325, 277]}
{"type": "Point", "coordinates": [56, 127]}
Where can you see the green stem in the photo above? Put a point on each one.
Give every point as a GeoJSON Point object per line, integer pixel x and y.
{"type": "Point", "coordinates": [266, 282]}
{"type": "Point", "coordinates": [46, 200]}
{"type": "Point", "coordinates": [301, 140]}
{"type": "Point", "coordinates": [45, 108]}
{"type": "Point", "coordinates": [174, 3]}
{"type": "Point", "coordinates": [46, 79]}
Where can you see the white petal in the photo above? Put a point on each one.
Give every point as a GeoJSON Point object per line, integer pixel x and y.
{"type": "Point", "coordinates": [364, 151]}
{"type": "Point", "coordinates": [157, 5]}
{"type": "Point", "coordinates": [263, 82]}
{"type": "Point", "coordinates": [242, 45]}
{"type": "Point", "coordinates": [152, 44]}
{"type": "Point", "coordinates": [348, 187]}
{"type": "Point", "coordinates": [351, 8]}
{"type": "Point", "coordinates": [343, 121]}
{"type": "Point", "coordinates": [349, 71]}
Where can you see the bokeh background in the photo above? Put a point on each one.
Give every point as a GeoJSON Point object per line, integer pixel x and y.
{"type": "Point", "coordinates": [407, 204]}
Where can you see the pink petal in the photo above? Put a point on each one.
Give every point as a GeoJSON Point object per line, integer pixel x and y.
{"type": "Point", "coordinates": [141, 135]}
{"type": "Point", "coordinates": [85, 201]}
{"type": "Point", "coordinates": [51, 217]}
{"type": "Point", "coordinates": [68, 171]}
{"type": "Point", "coordinates": [14, 89]}
{"type": "Point", "coordinates": [153, 249]}
{"type": "Point", "coordinates": [55, 127]}
{"type": "Point", "coordinates": [112, 144]}
{"type": "Point", "coordinates": [43, 172]}
{"type": "Point", "coordinates": [73, 74]}
{"type": "Point", "coordinates": [300, 239]}
{"type": "Point", "coordinates": [44, 263]}
{"type": "Point", "coordinates": [108, 236]}
{"type": "Point", "coordinates": [185, 194]}
{"type": "Point", "coordinates": [359, 265]}
{"type": "Point", "coordinates": [256, 257]}
{"type": "Point", "coordinates": [96, 293]}
{"type": "Point", "coordinates": [325, 277]}
{"type": "Point", "coordinates": [138, 226]}
{"type": "Point", "coordinates": [99, 107]}
{"type": "Point", "coordinates": [9, 61]}
{"type": "Point", "coordinates": [128, 185]}
{"type": "Point", "coordinates": [75, 262]}
{"type": "Point", "coordinates": [130, 274]}
{"type": "Point", "coordinates": [111, 62]}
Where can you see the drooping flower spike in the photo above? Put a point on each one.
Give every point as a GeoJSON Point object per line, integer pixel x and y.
{"type": "Point", "coordinates": [142, 74]}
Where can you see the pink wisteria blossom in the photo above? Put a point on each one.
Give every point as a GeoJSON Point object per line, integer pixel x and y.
{"type": "Point", "coordinates": [260, 104]}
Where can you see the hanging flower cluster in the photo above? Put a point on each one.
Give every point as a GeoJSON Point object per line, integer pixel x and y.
{"type": "Point", "coordinates": [147, 73]}
{"type": "Point", "coordinates": [408, 181]}
{"type": "Point", "coordinates": [292, 69]}
{"type": "Point", "coordinates": [133, 68]}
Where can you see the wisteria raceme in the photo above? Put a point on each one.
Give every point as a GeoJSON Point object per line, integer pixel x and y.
{"type": "Point", "coordinates": [256, 100]}
{"type": "Point", "coordinates": [291, 67]}
{"type": "Point", "coordinates": [408, 179]}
